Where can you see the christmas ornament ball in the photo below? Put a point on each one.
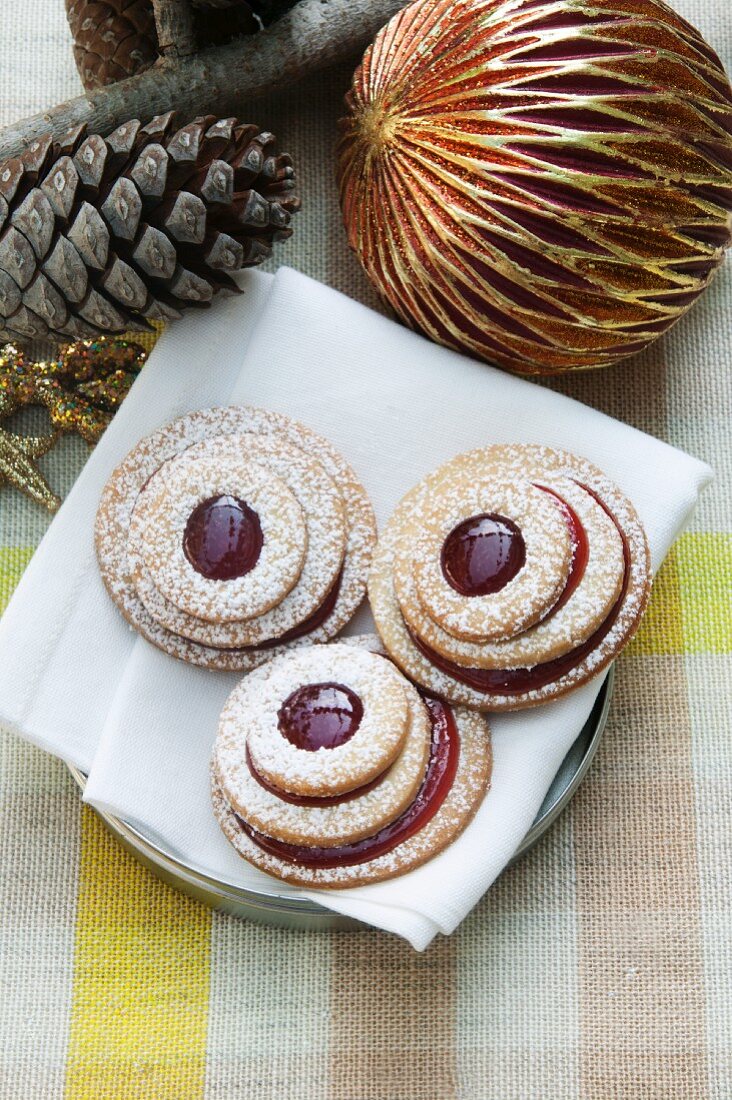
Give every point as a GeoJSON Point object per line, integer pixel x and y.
{"type": "Point", "coordinates": [544, 184]}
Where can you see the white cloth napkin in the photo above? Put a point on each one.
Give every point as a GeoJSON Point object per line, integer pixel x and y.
{"type": "Point", "coordinates": [75, 680]}
{"type": "Point", "coordinates": [61, 650]}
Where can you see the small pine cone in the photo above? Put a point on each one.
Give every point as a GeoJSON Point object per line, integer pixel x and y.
{"type": "Point", "coordinates": [113, 39]}
{"type": "Point", "coordinates": [104, 234]}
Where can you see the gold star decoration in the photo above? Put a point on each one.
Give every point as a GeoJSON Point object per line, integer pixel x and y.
{"type": "Point", "coordinates": [18, 454]}
{"type": "Point", "coordinates": [81, 387]}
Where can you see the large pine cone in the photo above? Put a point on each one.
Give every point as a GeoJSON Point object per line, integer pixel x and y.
{"type": "Point", "coordinates": [113, 39]}
{"type": "Point", "coordinates": [98, 234]}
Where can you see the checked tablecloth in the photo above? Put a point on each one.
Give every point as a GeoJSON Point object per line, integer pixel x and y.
{"type": "Point", "coordinates": [598, 968]}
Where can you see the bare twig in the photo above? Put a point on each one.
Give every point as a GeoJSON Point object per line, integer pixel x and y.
{"type": "Point", "coordinates": [174, 24]}
{"type": "Point", "coordinates": [221, 80]}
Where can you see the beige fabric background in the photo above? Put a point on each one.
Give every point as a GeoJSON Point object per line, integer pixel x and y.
{"type": "Point", "coordinates": [599, 968]}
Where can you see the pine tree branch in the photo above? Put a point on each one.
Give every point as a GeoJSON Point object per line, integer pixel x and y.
{"type": "Point", "coordinates": [221, 80]}
{"type": "Point", "coordinates": [174, 24]}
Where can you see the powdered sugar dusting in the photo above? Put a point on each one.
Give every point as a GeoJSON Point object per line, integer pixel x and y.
{"type": "Point", "coordinates": [470, 786]}
{"type": "Point", "coordinates": [562, 630]}
{"type": "Point", "coordinates": [175, 491]}
{"type": "Point", "coordinates": [250, 719]}
{"type": "Point", "coordinates": [325, 521]}
{"type": "Point", "coordinates": [527, 597]}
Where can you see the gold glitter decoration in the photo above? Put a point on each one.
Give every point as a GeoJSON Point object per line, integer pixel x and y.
{"type": "Point", "coordinates": [82, 387]}
{"type": "Point", "coordinates": [545, 184]}
{"type": "Point", "coordinates": [18, 468]}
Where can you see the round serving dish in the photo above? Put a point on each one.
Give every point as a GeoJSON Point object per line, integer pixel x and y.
{"type": "Point", "coordinates": [285, 911]}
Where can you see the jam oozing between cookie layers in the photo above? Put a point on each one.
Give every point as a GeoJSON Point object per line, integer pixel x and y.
{"type": "Point", "coordinates": [580, 549]}
{"type": "Point", "coordinates": [320, 716]}
{"type": "Point", "coordinates": [482, 554]}
{"type": "Point", "coordinates": [311, 799]}
{"type": "Point", "coordinates": [223, 538]}
{"type": "Point", "coordinates": [312, 623]}
{"type": "Point", "coordinates": [436, 785]}
{"type": "Point", "coordinates": [318, 617]}
{"type": "Point", "coordinates": [517, 681]}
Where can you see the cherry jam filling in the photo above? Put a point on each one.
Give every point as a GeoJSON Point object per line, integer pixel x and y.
{"type": "Point", "coordinates": [482, 554]}
{"type": "Point", "coordinates": [320, 716]}
{"type": "Point", "coordinates": [580, 549]}
{"type": "Point", "coordinates": [516, 681]}
{"type": "Point", "coordinates": [308, 799]}
{"type": "Point", "coordinates": [439, 778]}
{"type": "Point", "coordinates": [318, 617]}
{"type": "Point", "coordinates": [223, 538]}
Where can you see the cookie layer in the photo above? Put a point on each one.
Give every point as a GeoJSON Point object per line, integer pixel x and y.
{"type": "Point", "coordinates": [331, 823]}
{"type": "Point", "coordinates": [174, 494]}
{"type": "Point", "coordinates": [516, 605]}
{"type": "Point", "coordinates": [325, 521]}
{"type": "Point", "coordinates": [251, 720]}
{"type": "Point", "coordinates": [570, 624]}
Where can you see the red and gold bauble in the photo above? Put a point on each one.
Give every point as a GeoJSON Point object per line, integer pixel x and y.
{"type": "Point", "coordinates": [545, 184]}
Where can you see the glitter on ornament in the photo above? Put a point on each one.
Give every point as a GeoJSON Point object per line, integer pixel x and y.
{"type": "Point", "coordinates": [82, 386]}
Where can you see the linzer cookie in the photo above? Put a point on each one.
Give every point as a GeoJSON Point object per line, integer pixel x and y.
{"type": "Point", "coordinates": [509, 576]}
{"type": "Point", "coordinates": [331, 769]}
{"type": "Point", "coordinates": [233, 534]}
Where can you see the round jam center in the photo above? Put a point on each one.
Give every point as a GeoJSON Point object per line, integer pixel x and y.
{"type": "Point", "coordinates": [223, 538]}
{"type": "Point", "coordinates": [320, 716]}
{"type": "Point", "coordinates": [482, 554]}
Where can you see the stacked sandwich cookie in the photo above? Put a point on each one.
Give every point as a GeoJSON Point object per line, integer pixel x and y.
{"type": "Point", "coordinates": [509, 576]}
{"type": "Point", "coordinates": [331, 769]}
{"type": "Point", "coordinates": [233, 533]}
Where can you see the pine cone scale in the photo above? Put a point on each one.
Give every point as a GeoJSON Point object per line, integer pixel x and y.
{"type": "Point", "coordinates": [183, 217]}
{"type": "Point", "coordinates": [217, 184]}
{"type": "Point", "coordinates": [122, 209]}
{"type": "Point", "coordinates": [10, 296]}
{"type": "Point", "coordinates": [65, 267]}
{"type": "Point", "coordinates": [16, 257]}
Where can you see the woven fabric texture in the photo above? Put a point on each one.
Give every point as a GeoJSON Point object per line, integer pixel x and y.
{"type": "Point", "coordinates": [599, 968]}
